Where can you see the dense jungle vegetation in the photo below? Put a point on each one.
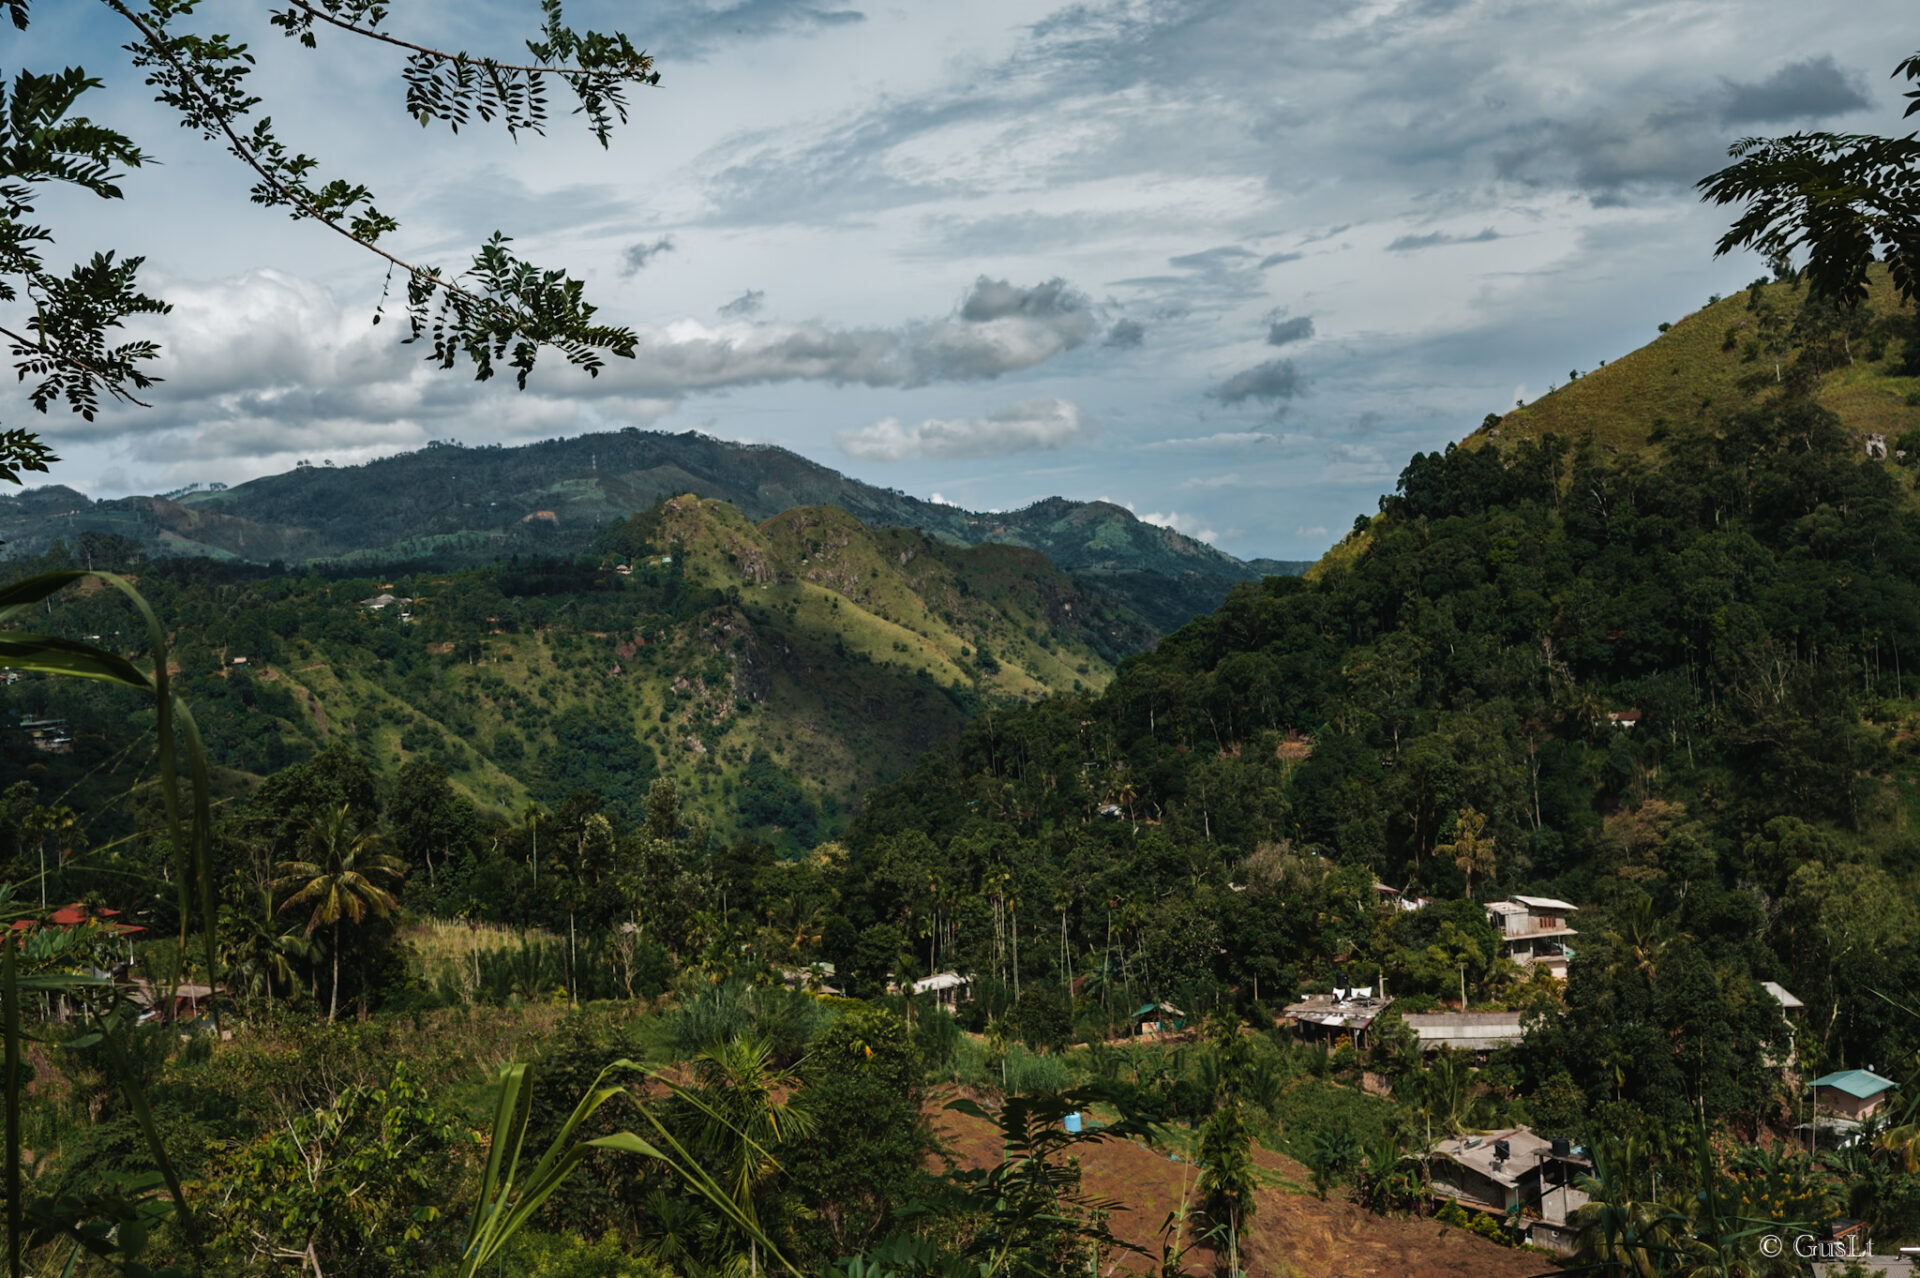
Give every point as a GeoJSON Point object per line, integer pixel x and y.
{"type": "Point", "coordinates": [1207, 832]}
{"type": "Point", "coordinates": [549, 811]}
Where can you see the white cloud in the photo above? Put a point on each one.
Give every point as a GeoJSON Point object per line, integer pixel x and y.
{"type": "Point", "coordinates": [1030, 426]}
{"type": "Point", "coordinates": [1190, 525]}
{"type": "Point", "coordinates": [1223, 439]}
{"type": "Point", "coordinates": [1318, 530]}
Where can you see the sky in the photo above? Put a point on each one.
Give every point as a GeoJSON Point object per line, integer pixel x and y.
{"type": "Point", "coordinates": [1228, 264]}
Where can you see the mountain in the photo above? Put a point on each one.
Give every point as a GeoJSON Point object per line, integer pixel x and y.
{"type": "Point", "coordinates": [1665, 685]}
{"type": "Point", "coordinates": [776, 670]}
{"type": "Point", "coordinates": [1735, 353]}
{"type": "Point", "coordinates": [451, 504]}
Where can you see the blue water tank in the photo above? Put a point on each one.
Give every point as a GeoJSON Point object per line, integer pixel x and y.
{"type": "Point", "coordinates": [1073, 1123]}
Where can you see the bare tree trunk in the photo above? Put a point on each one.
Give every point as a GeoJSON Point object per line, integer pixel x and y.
{"type": "Point", "coordinates": [333, 1004]}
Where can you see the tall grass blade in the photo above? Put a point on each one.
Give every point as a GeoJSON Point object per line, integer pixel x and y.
{"type": "Point", "coordinates": [9, 976]}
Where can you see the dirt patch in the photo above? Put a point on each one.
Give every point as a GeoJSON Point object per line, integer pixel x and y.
{"type": "Point", "coordinates": [1294, 1235]}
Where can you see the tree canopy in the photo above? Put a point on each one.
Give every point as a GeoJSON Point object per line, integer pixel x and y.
{"type": "Point", "coordinates": [64, 328]}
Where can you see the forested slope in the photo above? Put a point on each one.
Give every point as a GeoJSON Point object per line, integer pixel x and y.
{"type": "Point", "coordinates": [1675, 685]}
{"type": "Point", "coordinates": [776, 670]}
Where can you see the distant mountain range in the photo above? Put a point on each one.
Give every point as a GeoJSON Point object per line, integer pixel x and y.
{"type": "Point", "coordinates": [775, 670]}
{"type": "Point", "coordinates": [451, 504]}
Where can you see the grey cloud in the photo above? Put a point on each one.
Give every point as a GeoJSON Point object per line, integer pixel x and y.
{"type": "Point", "coordinates": [1270, 383]}
{"type": "Point", "coordinates": [1282, 331]}
{"type": "Point", "coordinates": [511, 203]}
{"type": "Point", "coordinates": [748, 303]}
{"type": "Point", "coordinates": [1328, 234]}
{"type": "Point", "coordinates": [997, 299]}
{"type": "Point", "coordinates": [691, 31]}
{"type": "Point", "coordinates": [634, 258]}
{"type": "Point", "coordinates": [1807, 90]}
{"type": "Point", "coordinates": [1457, 101]}
{"type": "Point", "coordinates": [1663, 138]}
{"type": "Point", "coordinates": [1413, 243]}
{"type": "Point", "coordinates": [1126, 334]}
{"type": "Point", "coordinates": [998, 328]}
{"type": "Point", "coordinates": [1278, 259]}
{"type": "Point", "coordinates": [1034, 425]}
{"type": "Point", "coordinates": [1212, 259]}
{"type": "Point", "coordinates": [267, 362]}
{"type": "Point", "coordinates": [1029, 231]}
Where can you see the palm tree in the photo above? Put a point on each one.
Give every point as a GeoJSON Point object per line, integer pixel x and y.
{"type": "Point", "coordinates": [1621, 1234]}
{"type": "Point", "coordinates": [1900, 1142]}
{"type": "Point", "coordinates": [255, 955]}
{"type": "Point", "coordinates": [340, 878]}
{"type": "Point", "coordinates": [746, 1119]}
{"type": "Point", "coordinates": [532, 815]}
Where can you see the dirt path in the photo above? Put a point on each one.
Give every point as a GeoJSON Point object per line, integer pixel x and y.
{"type": "Point", "coordinates": [1294, 1235]}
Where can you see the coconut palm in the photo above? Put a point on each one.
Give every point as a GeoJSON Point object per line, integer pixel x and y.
{"type": "Point", "coordinates": [341, 878]}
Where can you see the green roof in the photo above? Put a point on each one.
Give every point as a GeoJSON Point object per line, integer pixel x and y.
{"type": "Point", "coordinates": [1861, 1083]}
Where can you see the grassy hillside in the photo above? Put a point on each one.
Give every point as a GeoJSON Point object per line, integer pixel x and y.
{"type": "Point", "coordinates": [1730, 355]}
{"type": "Point", "coordinates": [776, 670]}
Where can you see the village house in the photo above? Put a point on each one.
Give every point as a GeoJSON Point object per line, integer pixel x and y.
{"type": "Point", "coordinates": [49, 736]}
{"type": "Point", "coordinates": [815, 978]}
{"type": "Point", "coordinates": [1856, 1094]}
{"type": "Point", "coordinates": [1791, 1009]}
{"type": "Point", "coordinates": [1533, 931]}
{"type": "Point", "coordinates": [1519, 1176]}
{"type": "Point", "coordinates": [1394, 899]}
{"type": "Point", "coordinates": [1480, 1032]}
{"type": "Point", "coordinates": [171, 1003]}
{"type": "Point", "coordinates": [1344, 1013]}
{"type": "Point", "coordinates": [1159, 1018]}
{"type": "Point", "coordinates": [949, 989]}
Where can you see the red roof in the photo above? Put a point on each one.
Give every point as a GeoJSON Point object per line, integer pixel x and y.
{"type": "Point", "coordinates": [76, 915]}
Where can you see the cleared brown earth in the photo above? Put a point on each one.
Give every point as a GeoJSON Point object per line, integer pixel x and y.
{"type": "Point", "coordinates": [1295, 1235]}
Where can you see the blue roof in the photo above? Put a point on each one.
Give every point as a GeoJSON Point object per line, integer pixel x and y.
{"type": "Point", "coordinates": [1861, 1083]}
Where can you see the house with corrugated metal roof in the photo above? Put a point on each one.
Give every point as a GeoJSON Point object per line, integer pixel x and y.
{"type": "Point", "coordinates": [1852, 1093]}
{"type": "Point", "coordinates": [1466, 1031]}
{"type": "Point", "coordinates": [1347, 1012]}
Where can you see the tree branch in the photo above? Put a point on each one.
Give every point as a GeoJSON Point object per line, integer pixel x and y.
{"type": "Point", "coordinates": [113, 386]}
{"type": "Point", "coordinates": [373, 34]}
{"type": "Point", "coordinates": [164, 48]}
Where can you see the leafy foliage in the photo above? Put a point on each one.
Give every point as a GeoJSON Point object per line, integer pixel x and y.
{"type": "Point", "coordinates": [1843, 199]}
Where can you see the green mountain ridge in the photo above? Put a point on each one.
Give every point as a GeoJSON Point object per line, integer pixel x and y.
{"type": "Point", "coordinates": [453, 505]}
{"type": "Point", "coordinates": [775, 670]}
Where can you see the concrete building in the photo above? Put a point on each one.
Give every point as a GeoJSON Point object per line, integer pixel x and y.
{"type": "Point", "coordinates": [1514, 1174]}
{"type": "Point", "coordinates": [1534, 931]}
{"type": "Point", "coordinates": [950, 989]}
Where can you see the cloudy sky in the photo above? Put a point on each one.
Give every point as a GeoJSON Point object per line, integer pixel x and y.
{"type": "Point", "coordinates": [1227, 263]}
